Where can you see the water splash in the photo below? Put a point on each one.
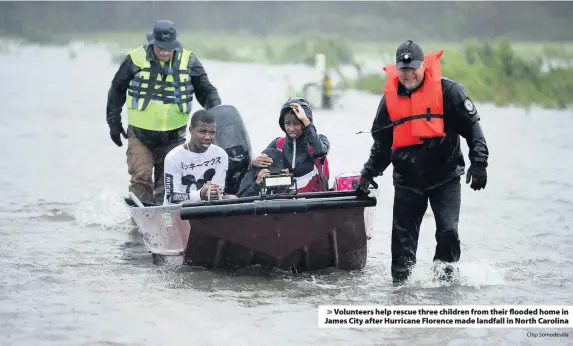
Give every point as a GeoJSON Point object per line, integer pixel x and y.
{"type": "Point", "coordinates": [472, 274]}
{"type": "Point", "coordinates": [105, 208]}
{"type": "Point", "coordinates": [56, 215]}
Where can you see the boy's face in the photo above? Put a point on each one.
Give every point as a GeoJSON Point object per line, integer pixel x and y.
{"type": "Point", "coordinates": [203, 135]}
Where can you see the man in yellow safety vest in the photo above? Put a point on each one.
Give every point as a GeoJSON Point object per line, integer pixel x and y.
{"type": "Point", "coordinates": [157, 82]}
{"type": "Point", "coordinates": [326, 92]}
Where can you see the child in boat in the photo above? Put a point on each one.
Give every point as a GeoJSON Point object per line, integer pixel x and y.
{"type": "Point", "coordinates": [196, 171]}
{"type": "Point", "coordinates": [304, 149]}
{"type": "Point", "coordinates": [251, 183]}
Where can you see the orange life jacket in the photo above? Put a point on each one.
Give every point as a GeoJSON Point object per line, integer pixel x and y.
{"type": "Point", "coordinates": [420, 115]}
{"type": "Point", "coordinates": [316, 183]}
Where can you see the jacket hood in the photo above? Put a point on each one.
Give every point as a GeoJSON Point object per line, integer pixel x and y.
{"type": "Point", "coordinates": [285, 108]}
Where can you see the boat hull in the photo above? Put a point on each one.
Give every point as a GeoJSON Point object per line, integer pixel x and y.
{"type": "Point", "coordinates": [318, 233]}
{"type": "Point", "coordinates": [308, 241]}
{"type": "Point", "coordinates": [164, 234]}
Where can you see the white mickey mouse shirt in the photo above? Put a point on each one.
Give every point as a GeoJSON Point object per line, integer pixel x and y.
{"type": "Point", "coordinates": [186, 172]}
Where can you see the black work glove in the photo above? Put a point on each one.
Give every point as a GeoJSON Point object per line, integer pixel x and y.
{"type": "Point", "coordinates": [364, 183]}
{"type": "Point", "coordinates": [478, 176]}
{"type": "Point", "coordinates": [115, 131]}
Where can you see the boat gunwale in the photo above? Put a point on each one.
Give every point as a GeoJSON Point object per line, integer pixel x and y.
{"type": "Point", "coordinates": [284, 198]}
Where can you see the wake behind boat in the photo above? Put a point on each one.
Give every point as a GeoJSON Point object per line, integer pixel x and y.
{"type": "Point", "coordinates": [304, 231]}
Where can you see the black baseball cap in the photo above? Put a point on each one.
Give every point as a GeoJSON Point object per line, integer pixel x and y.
{"type": "Point", "coordinates": [164, 35]}
{"type": "Point", "coordinates": [409, 54]}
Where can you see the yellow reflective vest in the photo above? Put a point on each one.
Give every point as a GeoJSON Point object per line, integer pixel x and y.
{"type": "Point", "coordinates": [327, 87]}
{"type": "Point", "coordinates": [160, 103]}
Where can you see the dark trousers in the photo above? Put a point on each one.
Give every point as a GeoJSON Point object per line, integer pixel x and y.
{"type": "Point", "coordinates": [409, 209]}
{"type": "Point", "coordinates": [326, 102]}
{"type": "Point", "coordinates": [146, 168]}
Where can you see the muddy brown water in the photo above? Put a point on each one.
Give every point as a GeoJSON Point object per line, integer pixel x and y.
{"type": "Point", "coordinates": [74, 271]}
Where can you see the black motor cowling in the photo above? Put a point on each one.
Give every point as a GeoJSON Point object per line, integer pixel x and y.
{"type": "Point", "coordinates": [233, 137]}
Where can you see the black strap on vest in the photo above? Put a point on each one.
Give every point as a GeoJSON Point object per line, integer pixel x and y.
{"type": "Point", "coordinates": [153, 72]}
{"type": "Point", "coordinates": [160, 83]}
{"type": "Point", "coordinates": [149, 93]}
{"type": "Point", "coordinates": [177, 94]}
{"type": "Point", "coordinates": [428, 115]}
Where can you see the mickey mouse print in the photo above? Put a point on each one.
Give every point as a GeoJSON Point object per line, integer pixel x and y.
{"type": "Point", "coordinates": [187, 172]}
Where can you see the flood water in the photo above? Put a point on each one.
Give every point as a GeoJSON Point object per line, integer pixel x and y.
{"type": "Point", "coordinates": [74, 271]}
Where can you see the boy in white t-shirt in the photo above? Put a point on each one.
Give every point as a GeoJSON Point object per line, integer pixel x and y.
{"type": "Point", "coordinates": [193, 167]}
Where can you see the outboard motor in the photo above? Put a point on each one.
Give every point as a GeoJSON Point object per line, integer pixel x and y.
{"type": "Point", "coordinates": [233, 137]}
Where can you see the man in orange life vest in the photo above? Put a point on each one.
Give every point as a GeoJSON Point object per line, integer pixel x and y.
{"type": "Point", "coordinates": [417, 128]}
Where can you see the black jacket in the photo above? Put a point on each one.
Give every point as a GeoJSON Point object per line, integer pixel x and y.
{"type": "Point", "coordinates": [303, 162]}
{"type": "Point", "coordinates": [206, 94]}
{"type": "Point", "coordinates": [249, 186]}
{"type": "Point", "coordinates": [437, 160]}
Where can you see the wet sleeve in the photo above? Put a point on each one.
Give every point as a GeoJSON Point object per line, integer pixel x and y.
{"type": "Point", "coordinates": [206, 93]}
{"type": "Point", "coordinates": [380, 152]}
{"type": "Point", "coordinates": [194, 196]}
{"type": "Point", "coordinates": [319, 143]}
{"type": "Point", "coordinates": [249, 187]}
{"type": "Point", "coordinates": [116, 94]}
{"type": "Point", "coordinates": [465, 120]}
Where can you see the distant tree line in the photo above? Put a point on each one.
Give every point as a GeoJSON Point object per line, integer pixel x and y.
{"type": "Point", "coordinates": [494, 72]}
{"type": "Point", "coordinates": [355, 20]}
